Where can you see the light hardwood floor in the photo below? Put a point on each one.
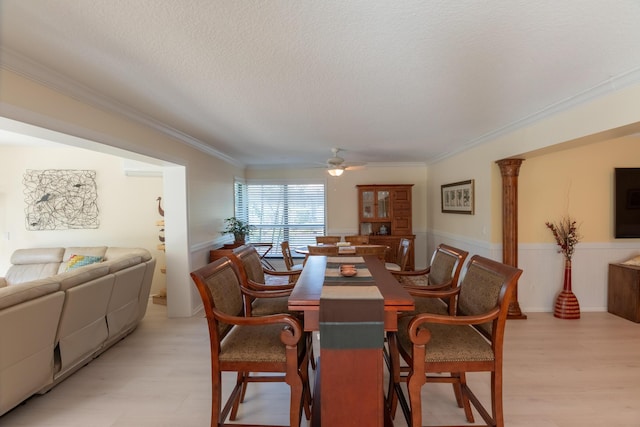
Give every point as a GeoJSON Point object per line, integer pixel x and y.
{"type": "Point", "coordinates": [558, 373]}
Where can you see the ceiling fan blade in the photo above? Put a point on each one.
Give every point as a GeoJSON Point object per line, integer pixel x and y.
{"type": "Point", "coordinates": [349, 164]}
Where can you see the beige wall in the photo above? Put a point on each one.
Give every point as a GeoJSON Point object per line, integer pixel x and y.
{"type": "Point", "coordinates": [127, 204]}
{"type": "Point", "coordinates": [567, 154]}
{"type": "Point", "coordinates": [208, 183]}
{"type": "Point", "coordinates": [617, 114]}
{"type": "Point", "coordinates": [578, 182]}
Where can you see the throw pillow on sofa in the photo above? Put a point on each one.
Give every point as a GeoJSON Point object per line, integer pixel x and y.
{"type": "Point", "coordinates": [77, 261]}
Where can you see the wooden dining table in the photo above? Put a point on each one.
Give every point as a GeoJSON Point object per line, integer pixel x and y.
{"type": "Point", "coordinates": [349, 388]}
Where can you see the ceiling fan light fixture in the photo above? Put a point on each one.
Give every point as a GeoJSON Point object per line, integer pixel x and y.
{"type": "Point", "coordinates": [337, 171]}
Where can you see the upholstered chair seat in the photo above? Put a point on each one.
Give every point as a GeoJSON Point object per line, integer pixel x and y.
{"type": "Point", "coordinates": [450, 343]}
{"type": "Point", "coordinates": [266, 345]}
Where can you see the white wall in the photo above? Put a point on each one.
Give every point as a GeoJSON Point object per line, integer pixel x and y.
{"type": "Point", "coordinates": [127, 204]}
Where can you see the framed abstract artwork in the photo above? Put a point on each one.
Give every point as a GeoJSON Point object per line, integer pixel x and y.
{"type": "Point", "coordinates": [60, 199]}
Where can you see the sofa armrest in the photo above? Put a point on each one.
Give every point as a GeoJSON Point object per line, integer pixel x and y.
{"type": "Point", "coordinates": [3, 282]}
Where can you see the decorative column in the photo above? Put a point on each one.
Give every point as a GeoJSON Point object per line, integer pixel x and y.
{"type": "Point", "coordinates": [510, 168]}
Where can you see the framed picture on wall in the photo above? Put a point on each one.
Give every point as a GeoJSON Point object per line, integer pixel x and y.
{"type": "Point", "coordinates": [458, 197]}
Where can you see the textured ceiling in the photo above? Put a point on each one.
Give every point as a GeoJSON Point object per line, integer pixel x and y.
{"type": "Point", "coordinates": [281, 82]}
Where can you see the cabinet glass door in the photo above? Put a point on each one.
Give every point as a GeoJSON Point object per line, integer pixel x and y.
{"type": "Point", "coordinates": [368, 204]}
{"type": "Point", "coordinates": [383, 204]}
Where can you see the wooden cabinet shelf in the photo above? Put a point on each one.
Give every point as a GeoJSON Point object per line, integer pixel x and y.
{"type": "Point", "coordinates": [384, 214]}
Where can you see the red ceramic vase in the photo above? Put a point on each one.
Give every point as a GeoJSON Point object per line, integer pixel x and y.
{"type": "Point", "coordinates": [567, 306]}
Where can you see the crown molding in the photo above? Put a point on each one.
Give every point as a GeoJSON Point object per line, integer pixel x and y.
{"type": "Point", "coordinates": [19, 64]}
{"type": "Point", "coordinates": [316, 166]}
{"type": "Point", "coordinates": [28, 68]}
{"type": "Point", "coordinates": [608, 86]}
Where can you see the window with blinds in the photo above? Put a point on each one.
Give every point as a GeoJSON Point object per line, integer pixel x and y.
{"type": "Point", "coordinates": [283, 211]}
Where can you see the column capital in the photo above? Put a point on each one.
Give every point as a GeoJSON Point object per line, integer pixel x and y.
{"type": "Point", "coordinates": [510, 167]}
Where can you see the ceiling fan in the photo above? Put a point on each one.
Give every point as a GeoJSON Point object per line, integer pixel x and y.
{"type": "Point", "coordinates": [336, 164]}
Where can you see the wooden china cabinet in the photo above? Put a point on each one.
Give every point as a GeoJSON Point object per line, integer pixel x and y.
{"type": "Point", "coordinates": [384, 214]}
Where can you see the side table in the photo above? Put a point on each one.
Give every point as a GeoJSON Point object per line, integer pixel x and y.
{"type": "Point", "coordinates": [623, 293]}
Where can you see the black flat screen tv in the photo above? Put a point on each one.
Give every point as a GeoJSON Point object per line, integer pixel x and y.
{"type": "Point", "coordinates": [627, 202]}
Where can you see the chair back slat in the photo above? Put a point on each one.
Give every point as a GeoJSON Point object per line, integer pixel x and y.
{"type": "Point", "coordinates": [286, 255]}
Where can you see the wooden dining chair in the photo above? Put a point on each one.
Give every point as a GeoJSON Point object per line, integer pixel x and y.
{"type": "Point", "coordinates": [323, 250]}
{"type": "Point", "coordinates": [357, 240]}
{"type": "Point", "coordinates": [469, 341]}
{"type": "Point", "coordinates": [263, 298]}
{"type": "Point", "coordinates": [378, 250]}
{"type": "Point", "coordinates": [443, 273]}
{"type": "Point", "coordinates": [328, 239]}
{"type": "Point", "coordinates": [288, 261]}
{"type": "Point", "coordinates": [402, 257]}
{"type": "Point", "coordinates": [249, 346]}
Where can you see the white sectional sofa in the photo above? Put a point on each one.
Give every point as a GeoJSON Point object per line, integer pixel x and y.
{"type": "Point", "coordinates": [54, 321]}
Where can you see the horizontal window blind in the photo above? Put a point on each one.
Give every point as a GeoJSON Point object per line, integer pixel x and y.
{"type": "Point", "coordinates": [240, 200]}
{"type": "Point", "coordinates": [286, 212]}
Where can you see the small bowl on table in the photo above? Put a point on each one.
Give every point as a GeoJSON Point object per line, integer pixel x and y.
{"type": "Point", "coordinates": [348, 270]}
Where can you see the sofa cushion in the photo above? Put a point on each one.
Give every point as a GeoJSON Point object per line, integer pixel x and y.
{"type": "Point", "coordinates": [114, 252]}
{"type": "Point", "coordinates": [16, 294]}
{"type": "Point", "coordinates": [77, 261]}
{"type": "Point", "coordinates": [33, 264]}
{"type": "Point", "coordinates": [37, 256]}
{"type": "Point", "coordinates": [27, 337]}
{"type": "Point", "coordinates": [122, 263]}
{"type": "Point", "coordinates": [82, 275]}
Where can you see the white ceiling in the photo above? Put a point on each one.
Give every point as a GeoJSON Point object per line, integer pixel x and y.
{"type": "Point", "coordinates": [278, 82]}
